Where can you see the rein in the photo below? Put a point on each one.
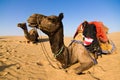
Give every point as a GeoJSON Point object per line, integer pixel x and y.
{"type": "Point", "coordinates": [46, 54]}
{"type": "Point", "coordinates": [38, 18]}
{"type": "Point", "coordinates": [59, 51]}
{"type": "Point", "coordinates": [76, 41]}
{"type": "Point", "coordinates": [38, 23]}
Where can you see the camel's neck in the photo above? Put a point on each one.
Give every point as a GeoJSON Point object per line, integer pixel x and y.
{"type": "Point", "coordinates": [58, 48]}
{"type": "Point", "coordinates": [56, 41]}
{"type": "Point", "coordinates": [26, 32]}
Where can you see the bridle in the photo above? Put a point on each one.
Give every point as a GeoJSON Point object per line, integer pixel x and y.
{"type": "Point", "coordinates": [59, 52]}
{"type": "Point", "coordinates": [38, 24]}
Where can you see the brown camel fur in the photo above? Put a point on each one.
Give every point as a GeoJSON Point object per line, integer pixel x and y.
{"type": "Point", "coordinates": [67, 56]}
{"type": "Point", "coordinates": [31, 36]}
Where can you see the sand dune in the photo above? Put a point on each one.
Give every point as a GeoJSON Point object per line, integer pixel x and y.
{"type": "Point", "coordinates": [22, 61]}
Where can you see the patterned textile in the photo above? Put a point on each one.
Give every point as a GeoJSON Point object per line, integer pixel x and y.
{"type": "Point", "coordinates": [101, 30]}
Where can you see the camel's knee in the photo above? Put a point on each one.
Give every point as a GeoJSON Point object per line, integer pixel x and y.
{"type": "Point", "coordinates": [87, 65]}
{"type": "Point", "coordinates": [83, 67]}
{"type": "Point", "coordinates": [80, 67]}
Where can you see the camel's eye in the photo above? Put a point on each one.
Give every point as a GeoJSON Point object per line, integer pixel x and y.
{"type": "Point", "coordinates": [51, 19]}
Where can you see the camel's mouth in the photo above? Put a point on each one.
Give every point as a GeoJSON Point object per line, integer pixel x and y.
{"type": "Point", "coordinates": [33, 20]}
{"type": "Point", "coordinates": [32, 24]}
{"type": "Point", "coordinates": [21, 24]}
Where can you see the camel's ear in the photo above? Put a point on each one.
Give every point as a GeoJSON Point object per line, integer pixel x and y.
{"type": "Point", "coordinates": [61, 16]}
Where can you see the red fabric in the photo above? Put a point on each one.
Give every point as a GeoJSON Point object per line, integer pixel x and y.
{"type": "Point", "coordinates": [101, 34]}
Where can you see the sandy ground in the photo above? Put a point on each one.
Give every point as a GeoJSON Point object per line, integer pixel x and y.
{"type": "Point", "coordinates": [22, 61]}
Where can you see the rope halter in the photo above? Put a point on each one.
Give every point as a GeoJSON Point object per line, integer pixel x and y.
{"type": "Point", "coordinates": [59, 51]}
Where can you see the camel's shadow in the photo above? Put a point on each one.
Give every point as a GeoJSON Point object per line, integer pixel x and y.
{"type": "Point", "coordinates": [4, 66]}
{"type": "Point", "coordinates": [43, 40]}
{"type": "Point", "coordinates": [40, 40]}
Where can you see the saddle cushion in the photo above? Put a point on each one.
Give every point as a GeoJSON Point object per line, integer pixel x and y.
{"type": "Point", "coordinates": [87, 41]}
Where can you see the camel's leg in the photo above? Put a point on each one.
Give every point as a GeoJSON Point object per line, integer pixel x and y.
{"type": "Point", "coordinates": [80, 54]}
{"type": "Point", "coordinates": [83, 57]}
{"type": "Point", "coordinates": [72, 68]}
{"type": "Point", "coordinates": [86, 62]}
{"type": "Point", "coordinates": [82, 67]}
{"type": "Point", "coordinates": [79, 68]}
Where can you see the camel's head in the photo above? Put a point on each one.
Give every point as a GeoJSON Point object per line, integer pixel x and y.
{"type": "Point", "coordinates": [34, 19]}
{"type": "Point", "coordinates": [48, 24]}
{"type": "Point", "coordinates": [22, 25]}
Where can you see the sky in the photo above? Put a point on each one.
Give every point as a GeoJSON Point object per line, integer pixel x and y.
{"type": "Point", "coordinates": [75, 12]}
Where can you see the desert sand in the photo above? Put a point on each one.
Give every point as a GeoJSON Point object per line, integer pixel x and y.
{"type": "Point", "coordinates": [22, 61]}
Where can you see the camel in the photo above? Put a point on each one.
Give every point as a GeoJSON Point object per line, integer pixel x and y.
{"type": "Point", "coordinates": [31, 36]}
{"type": "Point", "coordinates": [67, 56]}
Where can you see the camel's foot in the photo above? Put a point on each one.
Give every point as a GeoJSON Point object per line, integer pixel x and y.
{"type": "Point", "coordinates": [73, 71]}
{"type": "Point", "coordinates": [28, 41]}
{"type": "Point", "coordinates": [70, 71]}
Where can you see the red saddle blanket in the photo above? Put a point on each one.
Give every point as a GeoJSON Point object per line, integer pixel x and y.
{"type": "Point", "coordinates": [101, 32]}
